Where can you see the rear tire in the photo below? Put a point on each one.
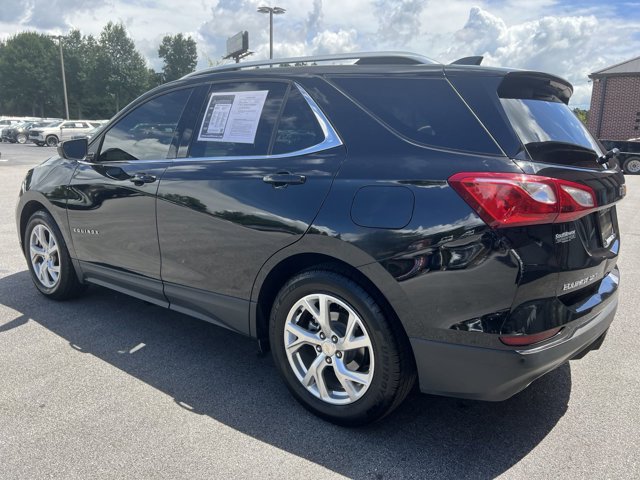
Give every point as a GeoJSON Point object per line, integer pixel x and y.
{"type": "Point", "coordinates": [21, 138]}
{"type": "Point", "coordinates": [350, 366]}
{"type": "Point", "coordinates": [51, 141]}
{"type": "Point", "coordinates": [48, 259]}
{"type": "Point", "coordinates": [632, 166]}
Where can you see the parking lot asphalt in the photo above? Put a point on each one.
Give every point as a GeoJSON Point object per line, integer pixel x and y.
{"type": "Point", "coordinates": [107, 386]}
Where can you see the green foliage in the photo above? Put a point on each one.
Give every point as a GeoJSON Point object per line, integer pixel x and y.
{"type": "Point", "coordinates": [30, 76]}
{"type": "Point", "coordinates": [103, 74]}
{"type": "Point", "coordinates": [124, 70]}
{"type": "Point", "coordinates": [180, 56]}
{"type": "Point", "coordinates": [583, 115]}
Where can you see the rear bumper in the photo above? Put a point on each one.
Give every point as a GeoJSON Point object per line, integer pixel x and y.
{"type": "Point", "coordinates": [497, 374]}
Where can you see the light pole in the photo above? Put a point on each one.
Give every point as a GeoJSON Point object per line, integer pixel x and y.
{"type": "Point", "coordinates": [64, 79]}
{"type": "Point", "coordinates": [271, 11]}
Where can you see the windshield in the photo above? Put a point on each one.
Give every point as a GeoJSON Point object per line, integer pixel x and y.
{"type": "Point", "coordinates": [53, 125]}
{"type": "Point", "coordinates": [538, 121]}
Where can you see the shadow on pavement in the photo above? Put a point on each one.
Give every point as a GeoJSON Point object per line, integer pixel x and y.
{"type": "Point", "coordinates": [213, 372]}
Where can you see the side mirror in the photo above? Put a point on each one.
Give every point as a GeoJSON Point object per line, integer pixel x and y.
{"type": "Point", "coordinates": [74, 149]}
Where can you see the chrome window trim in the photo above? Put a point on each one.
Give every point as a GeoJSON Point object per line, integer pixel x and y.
{"type": "Point", "coordinates": [331, 140]}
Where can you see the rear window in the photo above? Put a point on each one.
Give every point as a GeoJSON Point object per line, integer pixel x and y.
{"type": "Point", "coordinates": [537, 121]}
{"type": "Point", "coordinates": [424, 110]}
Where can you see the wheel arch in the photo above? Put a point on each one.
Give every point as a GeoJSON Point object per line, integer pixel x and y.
{"type": "Point", "coordinates": [29, 208]}
{"type": "Point", "coordinates": [33, 200]}
{"type": "Point", "coordinates": [370, 276]}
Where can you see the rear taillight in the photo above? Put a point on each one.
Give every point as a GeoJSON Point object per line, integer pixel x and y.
{"type": "Point", "coordinates": [511, 200]}
{"type": "Point", "coordinates": [525, 340]}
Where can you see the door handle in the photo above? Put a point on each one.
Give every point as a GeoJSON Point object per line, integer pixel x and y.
{"type": "Point", "coordinates": [140, 179]}
{"type": "Point", "coordinates": [282, 179]}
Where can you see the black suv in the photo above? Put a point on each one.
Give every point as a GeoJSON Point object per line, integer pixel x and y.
{"type": "Point", "coordinates": [369, 222]}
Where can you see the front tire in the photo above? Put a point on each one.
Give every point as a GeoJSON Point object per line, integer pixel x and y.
{"type": "Point", "coordinates": [51, 141]}
{"type": "Point", "coordinates": [48, 259]}
{"type": "Point", "coordinates": [338, 353]}
{"type": "Point", "coordinates": [632, 166]}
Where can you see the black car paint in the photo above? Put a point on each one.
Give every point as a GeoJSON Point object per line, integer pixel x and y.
{"type": "Point", "coordinates": [443, 267]}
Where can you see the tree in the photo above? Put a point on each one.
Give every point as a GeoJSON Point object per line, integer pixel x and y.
{"type": "Point", "coordinates": [122, 68]}
{"type": "Point", "coordinates": [30, 78]}
{"type": "Point", "coordinates": [180, 56]}
{"type": "Point", "coordinates": [583, 115]}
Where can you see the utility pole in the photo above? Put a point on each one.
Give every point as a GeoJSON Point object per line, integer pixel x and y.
{"type": "Point", "coordinates": [64, 79]}
{"type": "Point", "coordinates": [271, 11]}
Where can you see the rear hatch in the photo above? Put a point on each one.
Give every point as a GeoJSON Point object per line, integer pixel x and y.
{"type": "Point", "coordinates": [568, 266]}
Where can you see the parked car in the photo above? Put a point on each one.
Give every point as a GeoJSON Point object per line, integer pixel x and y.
{"type": "Point", "coordinates": [4, 133]}
{"type": "Point", "coordinates": [60, 131]}
{"type": "Point", "coordinates": [90, 133]}
{"type": "Point", "coordinates": [369, 223]}
{"type": "Point", "coordinates": [19, 133]}
{"type": "Point", "coordinates": [629, 156]}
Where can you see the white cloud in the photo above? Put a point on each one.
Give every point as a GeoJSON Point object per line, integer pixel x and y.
{"type": "Point", "coordinates": [328, 41]}
{"type": "Point", "coordinates": [569, 46]}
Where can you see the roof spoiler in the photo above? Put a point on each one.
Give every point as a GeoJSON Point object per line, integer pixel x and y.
{"type": "Point", "coordinates": [476, 60]}
{"type": "Point", "coordinates": [535, 86]}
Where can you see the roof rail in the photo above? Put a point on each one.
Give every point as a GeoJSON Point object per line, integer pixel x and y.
{"type": "Point", "coordinates": [362, 58]}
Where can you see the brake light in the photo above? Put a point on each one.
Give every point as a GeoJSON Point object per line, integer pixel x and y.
{"type": "Point", "coordinates": [511, 200]}
{"type": "Point", "coordinates": [525, 340]}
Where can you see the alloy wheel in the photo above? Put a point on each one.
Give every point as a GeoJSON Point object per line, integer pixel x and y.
{"type": "Point", "coordinates": [329, 349]}
{"type": "Point", "coordinates": [45, 256]}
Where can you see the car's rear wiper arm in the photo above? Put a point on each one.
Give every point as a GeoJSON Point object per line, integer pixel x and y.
{"type": "Point", "coordinates": [613, 153]}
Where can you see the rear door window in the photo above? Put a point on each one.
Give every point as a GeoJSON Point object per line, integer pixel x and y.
{"type": "Point", "coordinates": [238, 119]}
{"type": "Point", "coordinates": [424, 110]}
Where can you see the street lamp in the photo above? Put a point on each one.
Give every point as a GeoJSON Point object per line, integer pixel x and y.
{"type": "Point", "coordinates": [271, 11]}
{"type": "Point", "coordinates": [64, 80]}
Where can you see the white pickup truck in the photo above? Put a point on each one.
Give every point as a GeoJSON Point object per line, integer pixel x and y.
{"type": "Point", "coordinates": [58, 132]}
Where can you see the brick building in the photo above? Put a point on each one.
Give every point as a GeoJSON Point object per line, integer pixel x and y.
{"type": "Point", "coordinates": [615, 101]}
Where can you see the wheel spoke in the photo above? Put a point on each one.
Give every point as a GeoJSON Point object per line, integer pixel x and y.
{"type": "Point", "coordinates": [53, 246]}
{"type": "Point", "coordinates": [311, 309]}
{"type": "Point", "coordinates": [36, 251]}
{"type": "Point", "coordinates": [345, 382]}
{"type": "Point", "coordinates": [303, 337]}
{"type": "Point", "coordinates": [324, 318]}
{"type": "Point", "coordinates": [42, 273]}
{"type": "Point", "coordinates": [54, 268]}
{"type": "Point", "coordinates": [344, 374]}
{"type": "Point", "coordinates": [40, 236]}
{"type": "Point", "coordinates": [352, 322]}
{"type": "Point", "coordinates": [314, 374]}
{"type": "Point", "coordinates": [358, 342]}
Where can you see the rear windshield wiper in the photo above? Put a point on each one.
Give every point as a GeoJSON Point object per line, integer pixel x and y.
{"type": "Point", "coordinates": [551, 145]}
{"type": "Point", "coordinates": [613, 153]}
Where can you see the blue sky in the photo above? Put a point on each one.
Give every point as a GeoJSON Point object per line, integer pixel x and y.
{"type": "Point", "coordinates": [567, 38]}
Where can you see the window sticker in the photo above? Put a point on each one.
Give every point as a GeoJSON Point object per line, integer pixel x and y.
{"type": "Point", "coordinates": [233, 117]}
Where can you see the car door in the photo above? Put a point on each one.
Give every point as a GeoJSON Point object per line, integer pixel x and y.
{"type": "Point", "coordinates": [247, 182]}
{"type": "Point", "coordinates": [67, 130]}
{"type": "Point", "coordinates": [112, 212]}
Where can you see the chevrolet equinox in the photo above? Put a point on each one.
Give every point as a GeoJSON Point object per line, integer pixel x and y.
{"type": "Point", "coordinates": [373, 221]}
